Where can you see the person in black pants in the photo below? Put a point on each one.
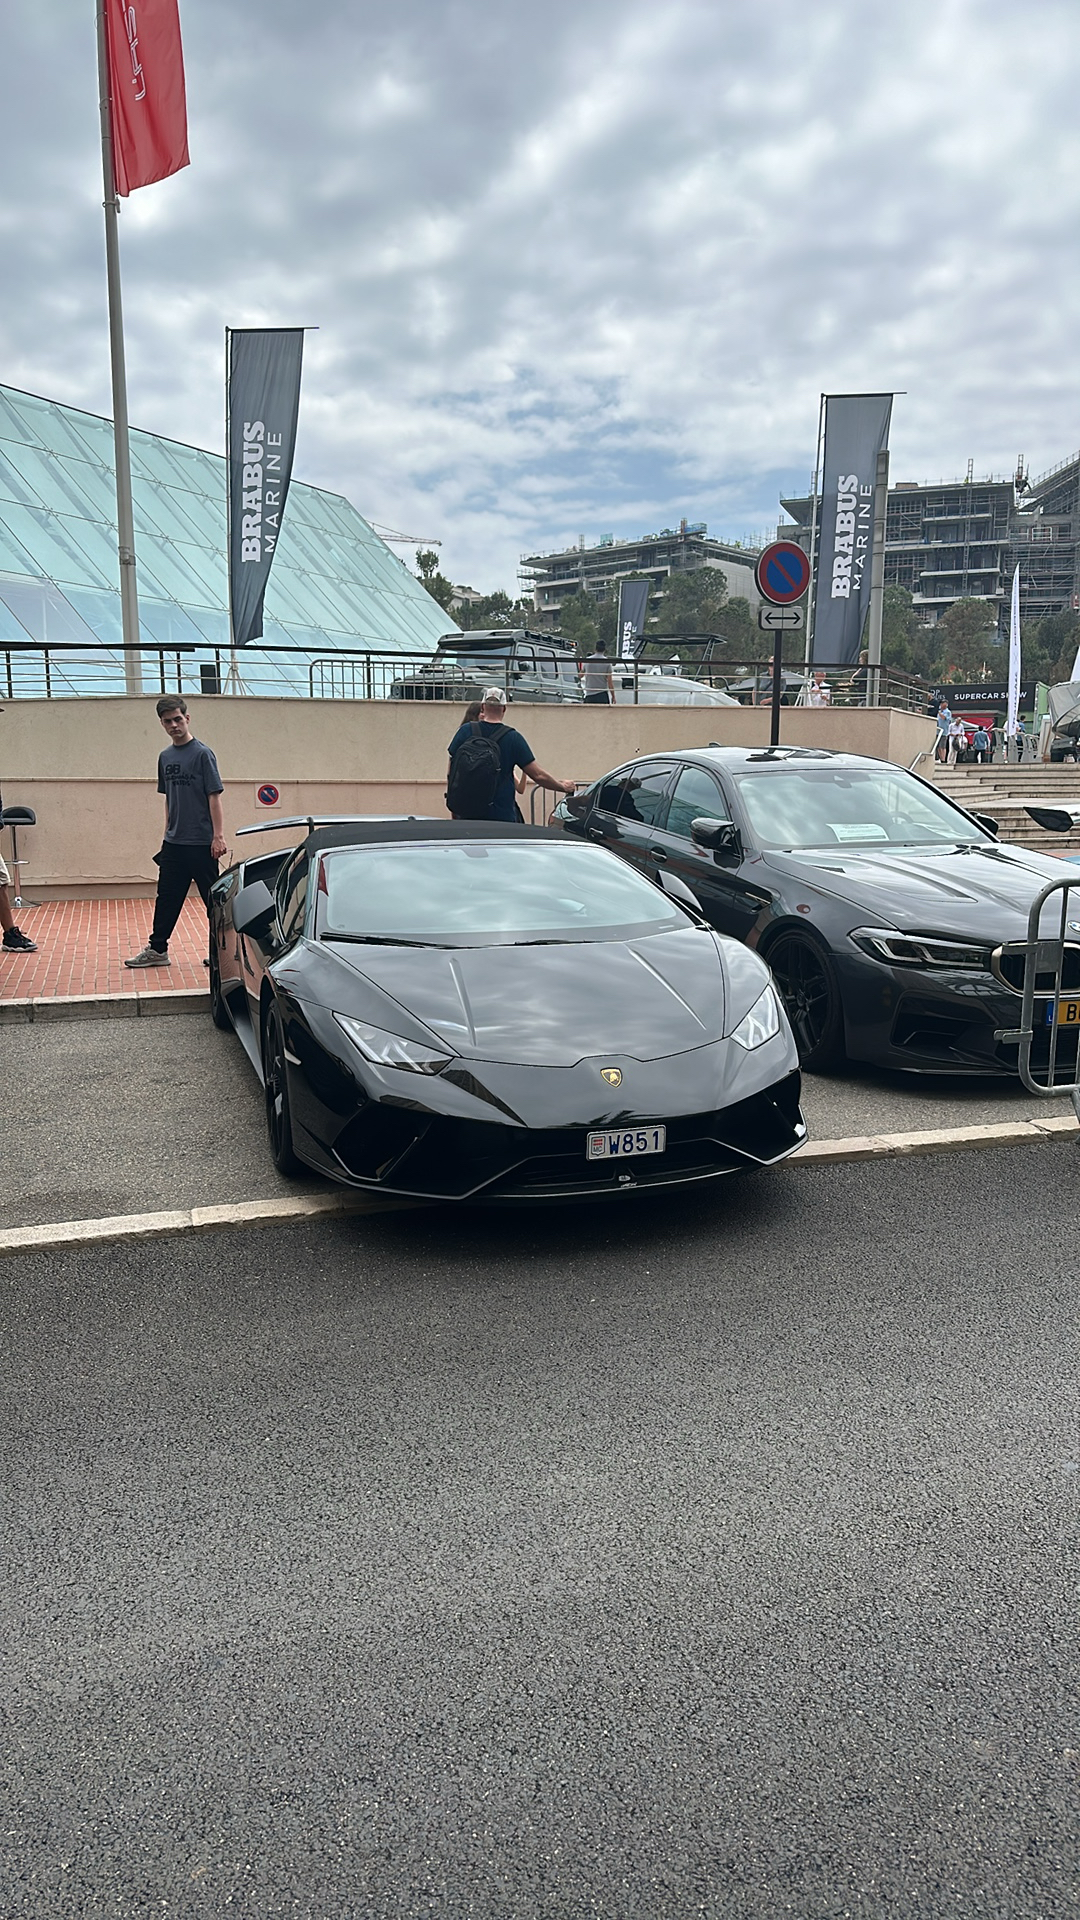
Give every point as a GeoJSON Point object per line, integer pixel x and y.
{"type": "Point", "coordinates": [194, 828]}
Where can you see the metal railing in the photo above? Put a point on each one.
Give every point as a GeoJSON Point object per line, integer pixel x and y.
{"type": "Point", "coordinates": [72, 670]}
{"type": "Point", "coordinates": [1048, 1037]}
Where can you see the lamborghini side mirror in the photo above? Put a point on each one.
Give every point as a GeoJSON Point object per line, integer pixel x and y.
{"type": "Point", "coordinates": [253, 908]}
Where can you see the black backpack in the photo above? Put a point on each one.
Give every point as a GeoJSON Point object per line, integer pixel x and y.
{"type": "Point", "coordinates": [475, 772]}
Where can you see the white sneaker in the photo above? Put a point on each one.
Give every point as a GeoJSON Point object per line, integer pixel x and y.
{"type": "Point", "coordinates": [149, 957]}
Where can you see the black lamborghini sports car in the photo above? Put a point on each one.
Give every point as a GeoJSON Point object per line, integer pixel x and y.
{"type": "Point", "coordinates": [463, 1010]}
{"type": "Point", "coordinates": [894, 921]}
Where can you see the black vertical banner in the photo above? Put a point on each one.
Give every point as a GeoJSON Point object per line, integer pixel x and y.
{"type": "Point", "coordinates": [262, 401]}
{"type": "Point", "coordinates": [856, 431]}
{"type": "Point", "coordinates": [633, 601]}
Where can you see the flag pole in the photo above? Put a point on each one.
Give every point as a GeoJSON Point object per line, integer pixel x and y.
{"type": "Point", "coordinates": [125, 519]}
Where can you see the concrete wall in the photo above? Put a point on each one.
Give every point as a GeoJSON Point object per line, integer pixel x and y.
{"type": "Point", "coordinates": [89, 767]}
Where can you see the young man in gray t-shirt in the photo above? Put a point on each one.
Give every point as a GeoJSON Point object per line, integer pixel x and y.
{"type": "Point", "coordinates": [194, 839]}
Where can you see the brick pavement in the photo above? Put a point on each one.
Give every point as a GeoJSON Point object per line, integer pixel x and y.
{"type": "Point", "coordinates": [82, 945]}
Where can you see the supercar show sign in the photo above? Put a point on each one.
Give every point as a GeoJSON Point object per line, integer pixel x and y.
{"type": "Point", "coordinates": [856, 431]}
{"type": "Point", "coordinates": [263, 402]}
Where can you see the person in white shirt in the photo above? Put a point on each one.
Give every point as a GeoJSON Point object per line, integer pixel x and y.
{"type": "Point", "coordinates": [957, 739]}
{"type": "Point", "coordinates": [817, 693]}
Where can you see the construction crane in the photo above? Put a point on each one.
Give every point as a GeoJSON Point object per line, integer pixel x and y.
{"type": "Point", "coordinates": [402, 539]}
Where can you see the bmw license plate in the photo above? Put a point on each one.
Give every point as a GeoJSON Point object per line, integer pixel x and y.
{"type": "Point", "coordinates": [623, 1146]}
{"type": "Point", "coordinates": [1068, 1013]}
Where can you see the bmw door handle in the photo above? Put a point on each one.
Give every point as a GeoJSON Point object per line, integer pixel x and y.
{"type": "Point", "coordinates": [656, 853]}
{"type": "Point", "coordinates": [597, 833]}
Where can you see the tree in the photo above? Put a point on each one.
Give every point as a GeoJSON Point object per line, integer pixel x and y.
{"type": "Point", "coordinates": [436, 583]}
{"type": "Point", "coordinates": [493, 610]}
{"type": "Point", "coordinates": [692, 602]}
{"type": "Point", "coordinates": [578, 622]}
{"type": "Point", "coordinates": [1048, 647]}
{"type": "Point", "coordinates": [903, 642]}
{"type": "Point", "coordinates": [965, 636]}
{"type": "Point", "coordinates": [738, 633]}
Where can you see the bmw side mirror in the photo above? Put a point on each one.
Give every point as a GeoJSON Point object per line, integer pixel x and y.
{"type": "Point", "coordinates": [985, 821]}
{"type": "Point", "coordinates": [721, 837]}
{"type": "Point", "coordinates": [254, 908]}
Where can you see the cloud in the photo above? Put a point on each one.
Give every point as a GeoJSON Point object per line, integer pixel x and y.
{"type": "Point", "coordinates": [576, 273]}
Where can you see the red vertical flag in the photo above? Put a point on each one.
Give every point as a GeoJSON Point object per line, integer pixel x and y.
{"type": "Point", "coordinates": [146, 86]}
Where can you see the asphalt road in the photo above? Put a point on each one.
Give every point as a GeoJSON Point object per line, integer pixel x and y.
{"type": "Point", "coordinates": [705, 1557]}
{"type": "Point", "coordinates": [129, 1116]}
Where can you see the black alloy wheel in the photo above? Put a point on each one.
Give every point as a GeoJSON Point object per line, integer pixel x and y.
{"type": "Point", "coordinates": [219, 1012]}
{"type": "Point", "coordinates": [276, 1088]}
{"type": "Point", "coordinates": [808, 987]}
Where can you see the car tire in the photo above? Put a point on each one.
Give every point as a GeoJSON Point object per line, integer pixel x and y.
{"type": "Point", "coordinates": [276, 1090]}
{"type": "Point", "coordinates": [805, 974]}
{"type": "Point", "coordinates": [219, 1012]}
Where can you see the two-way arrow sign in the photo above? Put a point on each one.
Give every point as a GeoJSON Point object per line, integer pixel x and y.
{"type": "Point", "coordinates": [773, 617]}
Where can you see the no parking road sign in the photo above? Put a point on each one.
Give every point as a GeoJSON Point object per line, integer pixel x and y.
{"type": "Point", "coordinates": [782, 573]}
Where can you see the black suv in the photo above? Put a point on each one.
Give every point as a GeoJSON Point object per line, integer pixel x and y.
{"type": "Point", "coordinates": [529, 666]}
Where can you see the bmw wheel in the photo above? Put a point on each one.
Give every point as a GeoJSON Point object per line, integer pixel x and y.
{"type": "Point", "coordinates": [276, 1087]}
{"type": "Point", "coordinates": [808, 987]}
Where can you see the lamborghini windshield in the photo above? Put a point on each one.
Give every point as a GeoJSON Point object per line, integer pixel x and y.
{"type": "Point", "coordinates": [506, 892]}
{"type": "Point", "coordinates": [799, 807]}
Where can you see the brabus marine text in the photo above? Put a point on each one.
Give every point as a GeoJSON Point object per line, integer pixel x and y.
{"type": "Point", "coordinates": [851, 545]}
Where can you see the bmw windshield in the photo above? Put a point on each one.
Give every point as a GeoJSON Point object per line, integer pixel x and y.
{"type": "Point", "coordinates": [505, 893]}
{"type": "Point", "coordinates": [803, 809]}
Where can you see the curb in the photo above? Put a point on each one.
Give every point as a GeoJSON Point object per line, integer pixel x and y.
{"type": "Point", "coordinates": [57, 1235]}
{"type": "Point", "coordinates": [884, 1146]}
{"type": "Point", "coordinates": [104, 1006]}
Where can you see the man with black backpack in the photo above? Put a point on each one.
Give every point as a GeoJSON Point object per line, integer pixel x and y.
{"type": "Point", "coordinates": [483, 755]}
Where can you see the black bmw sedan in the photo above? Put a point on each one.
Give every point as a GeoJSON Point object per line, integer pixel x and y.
{"type": "Point", "coordinates": [893, 920]}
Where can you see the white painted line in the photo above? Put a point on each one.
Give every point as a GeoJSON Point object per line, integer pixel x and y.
{"type": "Point", "coordinates": [56, 1235]}
{"type": "Point", "coordinates": [883, 1146]}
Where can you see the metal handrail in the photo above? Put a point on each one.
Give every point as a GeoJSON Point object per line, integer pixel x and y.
{"type": "Point", "coordinates": [1044, 957]}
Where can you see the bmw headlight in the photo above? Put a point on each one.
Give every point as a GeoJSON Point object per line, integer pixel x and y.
{"type": "Point", "coordinates": [921, 949]}
{"type": "Point", "coordinates": [761, 1023]}
{"type": "Point", "coordinates": [391, 1050]}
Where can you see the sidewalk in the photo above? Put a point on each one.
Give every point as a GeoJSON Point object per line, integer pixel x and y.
{"type": "Point", "coordinates": [82, 945]}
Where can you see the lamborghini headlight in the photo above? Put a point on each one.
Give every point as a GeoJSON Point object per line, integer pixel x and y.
{"type": "Point", "coordinates": [921, 949]}
{"type": "Point", "coordinates": [391, 1050]}
{"type": "Point", "coordinates": [761, 1023]}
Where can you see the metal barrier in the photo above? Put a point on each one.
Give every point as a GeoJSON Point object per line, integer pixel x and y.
{"type": "Point", "coordinates": [1050, 1007]}
{"type": "Point", "coordinates": [72, 669]}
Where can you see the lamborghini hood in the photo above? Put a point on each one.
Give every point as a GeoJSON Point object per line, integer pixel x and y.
{"type": "Point", "coordinates": [553, 1005]}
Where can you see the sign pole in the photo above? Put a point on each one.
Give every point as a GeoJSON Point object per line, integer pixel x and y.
{"type": "Point", "coordinates": [782, 575]}
{"type": "Point", "coordinates": [877, 580]}
{"type": "Point", "coordinates": [813, 529]}
{"type": "Point", "coordinates": [777, 674]}
{"type": "Point", "coordinates": [125, 518]}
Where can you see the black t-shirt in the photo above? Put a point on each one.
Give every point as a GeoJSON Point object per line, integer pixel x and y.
{"type": "Point", "coordinates": [514, 751]}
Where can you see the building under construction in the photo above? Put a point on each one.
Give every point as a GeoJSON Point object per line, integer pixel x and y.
{"type": "Point", "coordinates": [553, 578]}
{"type": "Point", "coordinates": [961, 539]}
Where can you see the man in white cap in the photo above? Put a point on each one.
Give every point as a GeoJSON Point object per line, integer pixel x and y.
{"type": "Point", "coordinates": [483, 756]}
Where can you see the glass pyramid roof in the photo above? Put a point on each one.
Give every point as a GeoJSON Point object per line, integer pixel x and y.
{"type": "Point", "coordinates": [334, 584]}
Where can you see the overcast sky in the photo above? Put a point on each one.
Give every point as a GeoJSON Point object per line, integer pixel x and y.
{"type": "Point", "coordinates": [577, 268]}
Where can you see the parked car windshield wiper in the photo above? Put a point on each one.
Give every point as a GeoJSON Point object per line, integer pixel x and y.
{"type": "Point", "coordinates": [379, 940]}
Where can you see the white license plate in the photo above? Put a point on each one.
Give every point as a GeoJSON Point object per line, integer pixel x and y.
{"type": "Point", "coordinates": [624, 1146]}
